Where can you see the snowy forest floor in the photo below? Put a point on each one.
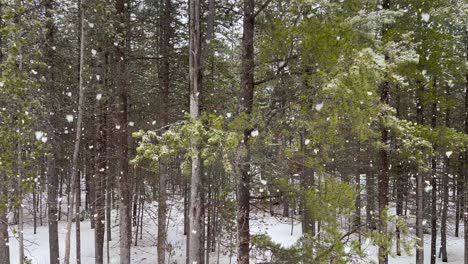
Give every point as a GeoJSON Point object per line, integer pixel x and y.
{"type": "Point", "coordinates": [281, 231]}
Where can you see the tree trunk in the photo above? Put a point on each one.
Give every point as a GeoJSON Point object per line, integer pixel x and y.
{"type": "Point", "coordinates": [195, 209]}
{"type": "Point", "coordinates": [445, 184]}
{"type": "Point", "coordinates": [400, 186]}
{"type": "Point", "coordinates": [78, 219]}
{"type": "Point", "coordinates": [100, 170]}
{"type": "Point", "coordinates": [4, 245]}
{"type": "Point", "coordinates": [458, 197]}
{"type": "Point", "coordinates": [35, 191]}
{"type": "Point", "coordinates": [434, 193]}
{"type": "Point", "coordinates": [109, 173]}
{"type": "Point", "coordinates": [465, 163]}
{"type": "Point", "coordinates": [242, 159]}
{"type": "Point", "coordinates": [164, 81]}
{"type": "Point", "coordinates": [383, 184]}
{"type": "Point", "coordinates": [371, 197]}
{"type": "Point", "coordinates": [307, 179]}
{"type": "Point", "coordinates": [52, 176]}
{"type": "Point", "coordinates": [420, 187]}
{"type": "Point", "coordinates": [122, 89]}
{"type": "Point", "coordinates": [383, 179]}
{"type": "Point", "coordinates": [74, 172]}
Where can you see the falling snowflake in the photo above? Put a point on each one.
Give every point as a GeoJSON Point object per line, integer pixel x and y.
{"type": "Point", "coordinates": [425, 17]}
{"type": "Point", "coordinates": [319, 107]}
{"type": "Point", "coordinates": [98, 96]}
{"type": "Point", "coordinates": [39, 135]}
{"type": "Point", "coordinates": [254, 133]}
{"type": "Point", "coordinates": [69, 118]}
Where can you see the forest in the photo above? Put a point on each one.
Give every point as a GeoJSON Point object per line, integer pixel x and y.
{"type": "Point", "coordinates": [233, 131]}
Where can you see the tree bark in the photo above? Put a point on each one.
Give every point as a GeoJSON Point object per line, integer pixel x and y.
{"type": "Point", "coordinates": [195, 213]}
{"type": "Point", "coordinates": [74, 171]}
{"type": "Point", "coordinates": [445, 185]}
{"type": "Point", "coordinates": [371, 197]}
{"type": "Point", "coordinates": [242, 159]}
{"type": "Point", "coordinates": [100, 170]}
{"type": "Point", "coordinates": [164, 81]}
{"type": "Point", "coordinates": [420, 187]}
{"type": "Point", "coordinates": [434, 192]}
{"type": "Point", "coordinates": [52, 176]}
{"type": "Point", "coordinates": [78, 219]}
{"type": "Point", "coordinates": [4, 238]}
{"type": "Point", "coordinates": [465, 163]}
{"type": "Point", "coordinates": [122, 89]}
{"type": "Point", "coordinates": [383, 183]}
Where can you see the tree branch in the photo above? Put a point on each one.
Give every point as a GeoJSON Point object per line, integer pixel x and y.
{"type": "Point", "coordinates": [267, 2]}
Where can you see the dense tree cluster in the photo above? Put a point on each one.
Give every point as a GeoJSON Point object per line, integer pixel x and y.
{"type": "Point", "coordinates": [348, 116]}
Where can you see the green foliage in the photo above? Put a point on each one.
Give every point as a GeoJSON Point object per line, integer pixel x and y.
{"type": "Point", "coordinates": [214, 142]}
{"type": "Point", "coordinates": [18, 104]}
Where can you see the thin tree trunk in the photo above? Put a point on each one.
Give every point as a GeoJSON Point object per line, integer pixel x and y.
{"type": "Point", "coordinates": [242, 159]}
{"type": "Point", "coordinates": [371, 197]}
{"type": "Point", "coordinates": [443, 223]}
{"type": "Point", "coordinates": [78, 219]}
{"type": "Point", "coordinates": [465, 163]}
{"type": "Point", "coordinates": [136, 222]}
{"type": "Point", "coordinates": [383, 185]}
{"type": "Point", "coordinates": [445, 184]}
{"type": "Point", "coordinates": [52, 176]}
{"type": "Point", "coordinates": [420, 187]}
{"type": "Point", "coordinates": [196, 207]}
{"type": "Point", "coordinates": [122, 89]}
{"type": "Point", "coordinates": [74, 172]}
{"type": "Point", "coordinates": [101, 173]}
{"type": "Point", "coordinates": [4, 246]}
{"type": "Point", "coordinates": [458, 198]}
{"type": "Point", "coordinates": [400, 185]}
{"type": "Point", "coordinates": [20, 186]}
{"type": "Point", "coordinates": [164, 80]}
{"type": "Point", "coordinates": [108, 186]}
{"type": "Point", "coordinates": [434, 193]}
{"type": "Point", "coordinates": [35, 190]}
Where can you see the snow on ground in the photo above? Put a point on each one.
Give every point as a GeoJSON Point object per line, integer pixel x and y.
{"type": "Point", "coordinates": [282, 231]}
{"type": "Point", "coordinates": [455, 247]}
